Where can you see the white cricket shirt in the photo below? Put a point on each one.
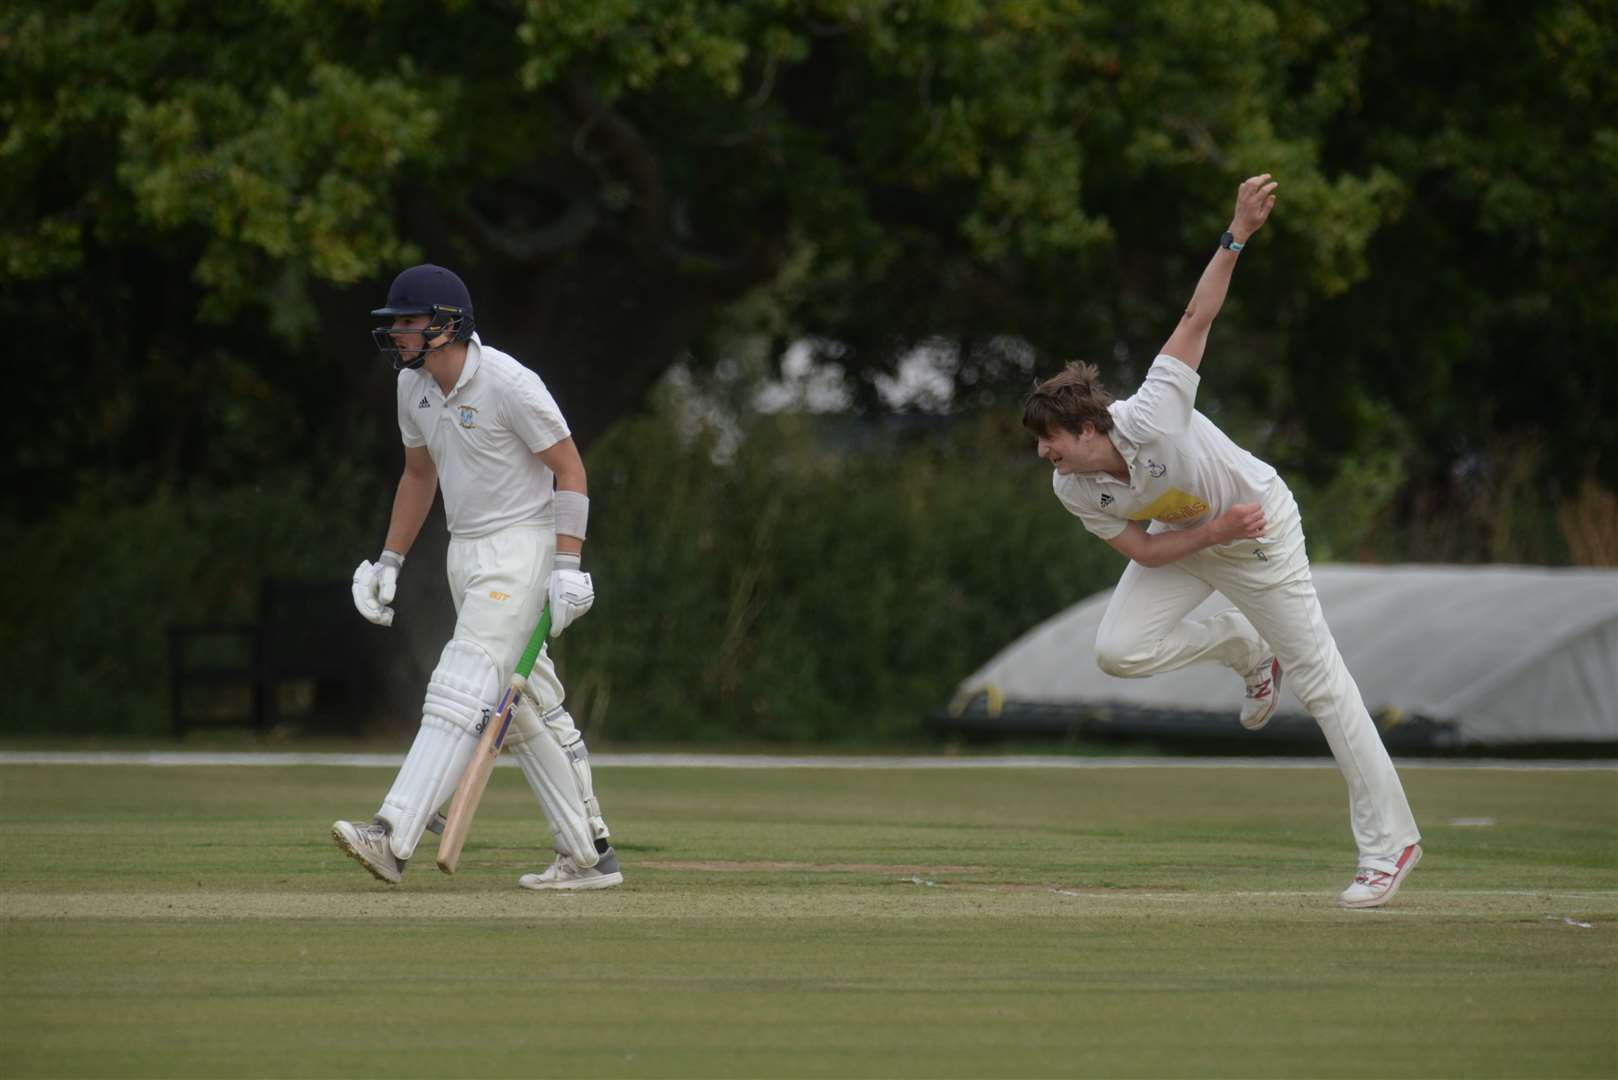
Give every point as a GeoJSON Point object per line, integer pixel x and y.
{"type": "Point", "coordinates": [482, 437]}
{"type": "Point", "coordinates": [1182, 469]}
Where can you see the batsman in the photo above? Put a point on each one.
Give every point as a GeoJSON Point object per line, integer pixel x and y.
{"type": "Point", "coordinates": [482, 427]}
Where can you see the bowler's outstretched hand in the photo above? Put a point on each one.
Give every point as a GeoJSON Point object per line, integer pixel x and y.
{"type": "Point", "coordinates": [1254, 201]}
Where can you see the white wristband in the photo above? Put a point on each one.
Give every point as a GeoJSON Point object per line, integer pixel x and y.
{"type": "Point", "coordinates": [572, 513]}
{"type": "Point", "coordinates": [566, 560]}
{"type": "Point", "coordinates": [389, 556]}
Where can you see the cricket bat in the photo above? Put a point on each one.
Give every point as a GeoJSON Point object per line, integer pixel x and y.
{"type": "Point", "coordinates": [469, 792]}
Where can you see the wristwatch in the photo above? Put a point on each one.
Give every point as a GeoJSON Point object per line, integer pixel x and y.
{"type": "Point", "coordinates": [1229, 241]}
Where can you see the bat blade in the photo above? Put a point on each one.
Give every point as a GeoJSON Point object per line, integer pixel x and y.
{"type": "Point", "coordinates": [469, 792]}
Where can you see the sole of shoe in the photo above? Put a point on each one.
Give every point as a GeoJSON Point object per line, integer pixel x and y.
{"type": "Point", "coordinates": [603, 881]}
{"type": "Point", "coordinates": [1258, 722]}
{"type": "Point", "coordinates": [360, 857]}
{"type": "Point", "coordinates": [1398, 880]}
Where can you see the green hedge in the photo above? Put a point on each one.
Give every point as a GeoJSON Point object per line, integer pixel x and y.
{"type": "Point", "coordinates": [92, 590]}
{"type": "Point", "coordinates": [823, 580]}
{"type": "Point", "coordinates": [804, 591]}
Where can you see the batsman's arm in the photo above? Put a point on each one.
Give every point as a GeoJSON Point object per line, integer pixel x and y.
{"type": "Point", "coordinates": [563, 459]}
{"type": "Point", "coordinates": [413, 499]}
{"type": "Point", "coordinates": [571, 590]}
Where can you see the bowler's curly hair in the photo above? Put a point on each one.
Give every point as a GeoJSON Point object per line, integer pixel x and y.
{"type": "Point", "coordinates": [1067, 401]}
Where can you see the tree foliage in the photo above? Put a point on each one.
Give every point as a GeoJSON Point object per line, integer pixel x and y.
{"type": "Point", "coordinates": [1483, 334]}
{"type": "Point", "coordinates": [203, 199]}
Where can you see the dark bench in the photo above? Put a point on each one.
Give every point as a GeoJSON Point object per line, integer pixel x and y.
{"type": "Point", "coordinates": [306, 631]}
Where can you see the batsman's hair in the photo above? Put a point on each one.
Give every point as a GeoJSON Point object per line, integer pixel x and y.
{"type": "Point", "coordinates": [1067, 401]}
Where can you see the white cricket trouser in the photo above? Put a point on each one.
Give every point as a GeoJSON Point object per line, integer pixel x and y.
{"type": "Point", "coordinates": [499, 584]}
{"type": "Point", "coordinates": [1145, 631]}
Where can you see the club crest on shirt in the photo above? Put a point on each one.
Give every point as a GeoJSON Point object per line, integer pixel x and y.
{"type": "Point", "coordinates": [469, 416]}
{"type": "Point", "coordinates": [1155, 469]}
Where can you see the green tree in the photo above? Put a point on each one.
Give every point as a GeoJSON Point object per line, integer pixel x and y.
{"type": "Point", "coordinates": [1478, 344]}
{"type": "Point", "coordinates": [198, 196]}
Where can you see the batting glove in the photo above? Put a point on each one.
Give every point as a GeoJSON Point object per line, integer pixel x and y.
{"type": "Point", "coordinates": [571, 592]}
{"type": "Point", "coordinates": [374, 586]}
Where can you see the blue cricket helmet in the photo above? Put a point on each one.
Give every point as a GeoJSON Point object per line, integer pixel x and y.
{"type": "Point", "coordinates": [424, 290]}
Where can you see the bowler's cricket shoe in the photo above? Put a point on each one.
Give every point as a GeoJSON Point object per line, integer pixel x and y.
{"type": "Point", "coordinates": [1263, 691]}
{"type": "Point", "coordinates": [565, 873]}
{"type": "Point", "coordinates": [1374, 886]}
{"type": "Point", "coordinates": [368, 845]}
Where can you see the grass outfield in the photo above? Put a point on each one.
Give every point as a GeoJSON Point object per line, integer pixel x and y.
{"type": "Point", "coordinates": [198, 921]}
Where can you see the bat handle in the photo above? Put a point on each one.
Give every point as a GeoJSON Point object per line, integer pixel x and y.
{"type": "Point", "coordinates": [536, 642]}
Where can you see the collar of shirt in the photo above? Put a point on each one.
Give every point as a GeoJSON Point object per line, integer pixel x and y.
{"type": "Point", "coordinates": [474, 349]}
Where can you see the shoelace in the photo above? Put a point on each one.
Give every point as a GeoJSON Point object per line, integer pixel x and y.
{"type": "Point", "coordinates": [1373, 878]}
{"type": "Point", "coordinates": [1259, 690]}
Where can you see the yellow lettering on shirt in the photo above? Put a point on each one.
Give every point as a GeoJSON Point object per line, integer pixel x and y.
{"type": "Point", "coordinates": [494, 595]}
{"type": "Point", "coordinates": [1173, 505]}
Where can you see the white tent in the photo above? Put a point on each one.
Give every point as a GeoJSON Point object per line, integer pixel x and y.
{"type": "Point", "coordinates": [1500, 654]}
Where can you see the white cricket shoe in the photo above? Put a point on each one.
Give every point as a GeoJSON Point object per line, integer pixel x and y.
{"type": "Point", "coordinates": [1263, 692]}
{"type": "Point", "coordinates": [1373, 887]}
{"type": "Point", "coordinates": [368, 845]}
{"type": "Point", "coordinates": [564, 873]}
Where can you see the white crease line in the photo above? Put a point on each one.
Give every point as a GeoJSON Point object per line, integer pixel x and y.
{"type": "Point", "coordinates": [1610, 895]}
{"type": "Point", "coordinates": [163, 758]}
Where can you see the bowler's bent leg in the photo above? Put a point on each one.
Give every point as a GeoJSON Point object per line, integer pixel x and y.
{"type": "Point", "coordinates": [1145, 630]}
